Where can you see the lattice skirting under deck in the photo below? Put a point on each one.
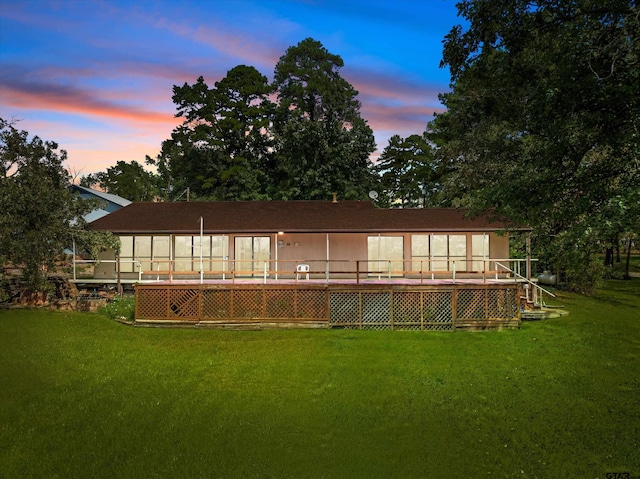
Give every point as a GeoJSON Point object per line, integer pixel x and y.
{"type": "Point", "coordinates": [356, 307]}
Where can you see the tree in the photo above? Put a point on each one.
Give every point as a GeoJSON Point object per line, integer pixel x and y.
{"type": "Point", "coordinates": [39, 213]}
{"type": "Point", "coordinates": [322, 143]}
{"type": "Point", "coordinates": [129, 180]}
{"type": "Point", "coordinates": [221, 149]}
{"type": "Point", "coordinates": [542, 122]}
{"type": "Point", "coordinates": [409, 173]}
{"type": "Point", "coordinates": [235, 143]}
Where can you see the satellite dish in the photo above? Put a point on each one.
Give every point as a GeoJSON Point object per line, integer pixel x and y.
{"type": "Point", "coordinates": [373, 194]}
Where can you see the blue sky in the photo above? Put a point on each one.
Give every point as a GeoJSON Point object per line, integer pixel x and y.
{"type": "Point", "coordinates": [97, 76]}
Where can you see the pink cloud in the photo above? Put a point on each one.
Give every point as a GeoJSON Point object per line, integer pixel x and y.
{"type": "Point", "coordinates": [51, 97]}
{"type": "Point", "coordinates": [405, 118]}
{"type": "Point", "coordinates": [374, 85]}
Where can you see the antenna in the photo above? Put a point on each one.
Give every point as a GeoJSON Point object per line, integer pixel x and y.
{"type": "Point", "coordinates": [373, 194]}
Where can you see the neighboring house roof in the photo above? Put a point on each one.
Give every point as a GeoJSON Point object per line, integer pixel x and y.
{"type": "Point", "coordinates": [115, 200]}
{"type": "Point", "coordinates": [229, 217]}
{"type": "Point", "coordinates": [95, 214]}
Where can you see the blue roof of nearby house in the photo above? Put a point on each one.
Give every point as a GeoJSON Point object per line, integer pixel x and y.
{"type": "Point", "coordinates": [110, 198]}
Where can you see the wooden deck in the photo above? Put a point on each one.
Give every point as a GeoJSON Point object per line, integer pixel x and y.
{"type": "Point", "coordinates": [398, 305]}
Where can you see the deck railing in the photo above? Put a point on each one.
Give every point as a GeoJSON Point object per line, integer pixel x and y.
{"type": "Point", "coordinates": [148, 270]}
{"type": "Point", "coordinates": [537, 290]}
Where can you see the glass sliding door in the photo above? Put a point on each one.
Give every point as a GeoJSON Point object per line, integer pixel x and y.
{"type": "Point", "coordinates": [252, 254]}
{"type": "Point", "coordinates": [219, 253]}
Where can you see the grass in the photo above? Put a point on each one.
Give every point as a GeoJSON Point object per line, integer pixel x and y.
{"type": "Point", "coordinates": [85, 396]}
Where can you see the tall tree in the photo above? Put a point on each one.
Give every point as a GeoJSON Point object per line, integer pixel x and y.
{"type": "Point", "coordinates": [322, 143]}
{"type": "Point", "coordinates": [129, 180]}
{"type": "Point", "coordinates": [410, 175]}
{"type": "Point", "coordinates": [40, 216]}
{"type": "Point", "coordinates": [543, 119]}
{"type": "Point", "coordinates": [221, 149]}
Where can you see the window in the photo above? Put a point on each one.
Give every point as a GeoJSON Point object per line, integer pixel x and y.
{"type": "Point", "coordinates": [183, 254]}
{"type": "Point", "coordinates": [215, 252]}
{"type": "Point", "coordinates": [142, 251]}
{"type": "Point", "coordinates": [479, 251]}
{"type": "Point", "coordinates": [161, 252]}
{"type": "Point", "coordinates": [458, 252]}
{"type": "Point", "coordinates": [440, 250]}
{"type": "Point", "coordinates": [385, 252]}
{"type": "Point", "coordinates": [126, 254]}
{"type": "Point", "coordinates": [151, 252]}
{"type": "Point", "coordinates": [421, 261]}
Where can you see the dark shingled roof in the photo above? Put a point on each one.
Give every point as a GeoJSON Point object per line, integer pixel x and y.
{"type": "Point", "coordinates": [229, 217]}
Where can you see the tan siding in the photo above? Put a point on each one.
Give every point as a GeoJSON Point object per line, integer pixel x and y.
{"type": "Point", "coordinates": [499, 246]}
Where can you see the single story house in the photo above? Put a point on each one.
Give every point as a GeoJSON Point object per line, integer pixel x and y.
{"type": "Point", "coordinates": [298, 239]}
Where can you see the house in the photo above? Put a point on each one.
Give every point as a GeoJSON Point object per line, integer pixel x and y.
{"type": "Point", "coordinates": [108, 202]}
{"type": "Point", "coordinates": [313, 264]}
{"type": "Point", "coordinates": [281, 239]}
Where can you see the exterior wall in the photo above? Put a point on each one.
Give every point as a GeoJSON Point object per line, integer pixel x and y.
{"type": "Point", "coordinates": [105, 270]}
{"type": "Point", "coordinates": [292, 249]}
{"type": "Point", "coordinates": [311, 249]}
{"type": "Point", "coordinates": [499, 246]}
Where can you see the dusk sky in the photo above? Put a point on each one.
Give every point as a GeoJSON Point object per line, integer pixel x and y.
{"type": "Point", "coordinates": [97, 76]}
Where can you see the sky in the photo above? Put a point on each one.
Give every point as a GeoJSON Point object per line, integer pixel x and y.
{"type": "Point", "coordinates": [97, 76]}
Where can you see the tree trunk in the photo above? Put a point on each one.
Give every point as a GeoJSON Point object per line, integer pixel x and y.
{"type": "Point", "coordinates": [608, 258]}
{"type": "Point", "coordinates": [626, 271]}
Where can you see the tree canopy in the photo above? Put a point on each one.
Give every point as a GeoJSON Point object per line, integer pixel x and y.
{"type": "Point", "coordinates": [220, 150]}
{"type": "Point", "coordinates": [322, 143]}
{"type": "Point", "coordinates": [301, 137]}
{"type": "Point", "coordinates": [40, 216]}
{"type": "Point", "coordinates": [410, 173]}
{"type": "Point", "coordinates": [542, 120]}
{"type": "Point", "coordinates": [129, 180]}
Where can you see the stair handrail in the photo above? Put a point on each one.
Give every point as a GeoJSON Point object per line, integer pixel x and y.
{"type": "Point", "coordinates": [526, 279]}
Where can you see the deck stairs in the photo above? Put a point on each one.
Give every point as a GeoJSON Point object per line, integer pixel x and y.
{"type": "Point", "coordinates": [533, 306]}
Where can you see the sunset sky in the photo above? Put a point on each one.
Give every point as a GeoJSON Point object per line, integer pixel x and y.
{"type": "Point", "coordinates": [97, 76]}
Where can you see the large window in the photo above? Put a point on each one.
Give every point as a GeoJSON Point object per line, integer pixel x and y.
{"type": "Point", "coordinates": [385, 252]}
{"type": "Point", "coordinates": [144, 253]}
{"type": "Point", "coordinates": [183, 253]}
{"type": "Point", "coordinates": [458, 252]}
{"type": "Point", "coordinates": [215, 253]}
{"type": "Point", "coordinates": [438, 252]}
{"type": "Point", "coordinates": [420, 257]}
{"type": "Point", "coordinates": [479, 252]}
{"type": "Point", "coordinates": [126, 254]}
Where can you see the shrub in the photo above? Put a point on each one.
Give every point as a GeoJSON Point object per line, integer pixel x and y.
{"type": "Point", "coordinates": [121, 307]}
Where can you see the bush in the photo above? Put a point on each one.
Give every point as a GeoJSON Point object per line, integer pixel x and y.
{"type": "Point", "coordinates": [121, 307]}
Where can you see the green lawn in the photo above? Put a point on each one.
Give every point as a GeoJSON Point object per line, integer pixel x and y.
{"type": "Point", "coordinates": [82, 396]}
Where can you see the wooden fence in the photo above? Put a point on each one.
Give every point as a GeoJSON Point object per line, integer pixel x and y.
{"type": "Point", "coordinates": [380, 306]}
